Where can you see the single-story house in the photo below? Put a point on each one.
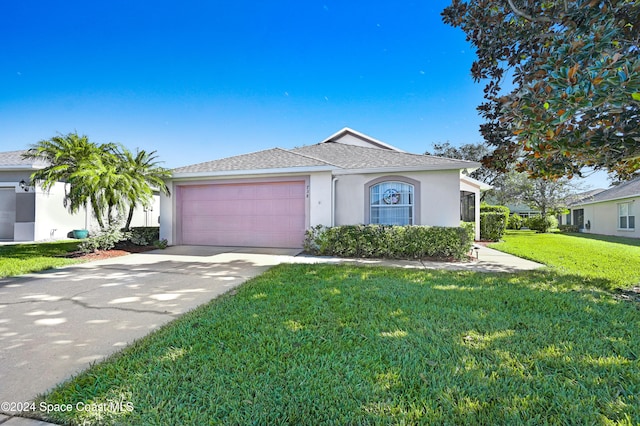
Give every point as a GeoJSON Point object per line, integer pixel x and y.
{"type": "Point", "coordinates": [270, 198]}
{"type": "Point", "coordinates": [609, 212]}
{"type": "Point", "coordinates": [27, 213]}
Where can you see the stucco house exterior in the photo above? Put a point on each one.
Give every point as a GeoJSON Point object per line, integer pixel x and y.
{"type": "Point", "coordinates": [270, 198]}
{"type": "Point", "coordinates": [609, 212]}
{"type": "Point", "coordinates": [27, 213]}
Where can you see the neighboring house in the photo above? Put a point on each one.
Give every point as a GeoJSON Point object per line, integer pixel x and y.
{"type": "Point", "coordinates": [610, 212]}
{"type": "Point", "coordinates": [270, 198]}
{"type": "Point", "coordinates": [27, 213]}
{"type": "Point", "coordinates": [566, 219]}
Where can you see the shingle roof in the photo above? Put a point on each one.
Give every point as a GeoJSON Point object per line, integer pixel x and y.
{"type": "Point", "coordinates": [623, 190]}
{"type": "Point", "coordinates": [13, 159]}
{"type": "Point", "coordinates": [327, 154]}
{"type": "Point", "coordinates": [357, 157]}
{"type": "Point", "coordinates": [275, 158]}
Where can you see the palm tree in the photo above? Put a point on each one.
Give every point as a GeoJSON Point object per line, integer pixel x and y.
{"type": "Point", "coordinates": [71, 159]}
{"type": "Point", "coordinates": [107, 176]}
{"type": "Point", "coordinates": [144, 175]}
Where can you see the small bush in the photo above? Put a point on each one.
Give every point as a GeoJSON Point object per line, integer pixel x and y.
{"type": "Point", "coordinates": [515, 222]}
{"type": "Point", "coordinates": [493, 222]}
{"type": "Point", "coordinates": [144, 235]}
{"type": "Point", "coordinates": [542, 224]}
{"type": "Point", "coordinates": [569, 228]}
{"type": "Point", "coordinates": [395, 242]}
{"type": "Point", "coordinates": [161, 244]}
{"type": "Point", "coordinates": [103, 240]}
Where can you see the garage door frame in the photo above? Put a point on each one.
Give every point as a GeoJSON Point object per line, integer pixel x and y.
{"type": "Point", "coordinates": [180, 186]}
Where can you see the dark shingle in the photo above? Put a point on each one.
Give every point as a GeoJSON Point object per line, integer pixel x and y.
{"type": "Point", "coordinates": [13, 159]}
{"type": "Point", "coordinates": [357, 157]}
{"type": "Point", "coordinates": [623, 190]}
{"type": "Point", "coordinates": [275, 158]}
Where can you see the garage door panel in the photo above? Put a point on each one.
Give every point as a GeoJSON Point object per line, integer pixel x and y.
{"type": "Point", "coordinates": [269, 214]}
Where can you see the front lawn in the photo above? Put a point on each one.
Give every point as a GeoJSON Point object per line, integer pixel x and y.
{"type": "Point", "coordinates": [607, 262]}
{"type": "Point", "coordinates": [326, 344]}
{"type": "Point", "coordinates": [21, 259]}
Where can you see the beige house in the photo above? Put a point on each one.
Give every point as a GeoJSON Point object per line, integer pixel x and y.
{"type": "Point", "coordinates": [270, 198]}
{"type": "Point", "coordinates": [609, 212]}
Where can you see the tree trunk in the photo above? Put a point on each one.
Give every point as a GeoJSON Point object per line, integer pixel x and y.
{"type": "Point", "coordinates": [129, 218]}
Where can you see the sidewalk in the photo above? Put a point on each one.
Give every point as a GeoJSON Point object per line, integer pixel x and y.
{"type": "Point", "coordinates": [488, 260]}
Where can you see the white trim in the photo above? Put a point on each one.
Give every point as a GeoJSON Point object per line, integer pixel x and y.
{"type": "Point", "coordinates": [475, 182]}
{"type": "Point", "coordinates": [429, 167]}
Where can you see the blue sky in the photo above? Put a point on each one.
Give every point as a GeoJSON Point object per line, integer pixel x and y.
{"type": "Point", "coordinates": [200, 80]}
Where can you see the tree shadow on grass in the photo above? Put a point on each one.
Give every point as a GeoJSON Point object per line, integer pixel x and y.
{"type": "Point", "coordinates": [344, 344]}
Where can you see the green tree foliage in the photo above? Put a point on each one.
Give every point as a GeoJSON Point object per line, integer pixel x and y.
{"type": "Point", "coordinates": [470, 152]}
{"type": "Point", "coordinates": [145, 174]}
{"type": "Point", "coordinates": [545, 195]}
{"type": "Point", "coordinates": [575, 97]}
{"type": "Point", "coordinates": [105, 177]}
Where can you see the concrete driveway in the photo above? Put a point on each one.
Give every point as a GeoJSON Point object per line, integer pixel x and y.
{"type": "Point", "coordinates": [55, 324]}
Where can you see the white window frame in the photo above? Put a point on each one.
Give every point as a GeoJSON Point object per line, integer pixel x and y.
{"type": "Point", "coordinates": [403, 201]}
{"type": "Point", "coordinates": [628, 216]}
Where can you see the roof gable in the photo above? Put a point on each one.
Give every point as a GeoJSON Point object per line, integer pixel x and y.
{"type": "Point", "coordinates": [338, 153]}
{"type": "Point", "coordinates": [349, 136]}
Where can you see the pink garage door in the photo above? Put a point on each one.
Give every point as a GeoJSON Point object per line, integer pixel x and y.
{"type": "Point", "coordinates": [269, 214]}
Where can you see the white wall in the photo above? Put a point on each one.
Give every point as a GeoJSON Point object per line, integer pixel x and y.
{"type": "Point", "coordinates": [53, 220]}
{"type": "Point", "coordinates": [320, 200]}
{"type": "Point", "coordinates": [604, 218]}
{"type": "Point", "coordinates": [439, 197]}
{"type": "Point", "coordinates": [167, 214]}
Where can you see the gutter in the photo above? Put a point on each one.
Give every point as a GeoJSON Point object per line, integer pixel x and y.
{"type": "Point", "coordinates": [252, 172]}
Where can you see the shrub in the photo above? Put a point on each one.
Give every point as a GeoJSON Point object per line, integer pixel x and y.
{"type": "Point", "coordinates": [515, 222]}
{"type": "Point", "coordinates": [144, 235]}
{"type": "Point", "coordinates": [161, 244]}
{"type": "Point", "coordinates": [384, 241]}
{"type": "Point", "coordinates": [103, 240]}
{"type": "Point", "coordinates": [493, 222]}
{"type": "Point", "coordinates": [542, 224]}
{"type": "Point", "coordinates": [569, 228]}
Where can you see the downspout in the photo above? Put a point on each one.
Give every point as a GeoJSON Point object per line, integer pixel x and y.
{"type": "Point", "coordinates": [333, 200]}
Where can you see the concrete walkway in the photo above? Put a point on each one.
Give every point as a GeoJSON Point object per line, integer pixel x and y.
{"type": "Point", "coordinates": [54, 324]}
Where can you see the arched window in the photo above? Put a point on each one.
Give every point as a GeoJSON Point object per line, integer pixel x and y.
{"type": "Point", "coordinates": [391, 203]}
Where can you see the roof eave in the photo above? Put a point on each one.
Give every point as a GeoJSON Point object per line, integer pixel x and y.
{"type": "Point", "coordinates": [280, 171]}
{"type": "Point", "coordinates": [400, 169]}
{"type": "Point", "coordinates": [584, 203]}
{"type": "Point", "coordinates": [21, 167]}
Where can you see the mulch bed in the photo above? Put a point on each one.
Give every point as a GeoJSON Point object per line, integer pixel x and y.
{"type": "Point", "coordinates": [121, 249]}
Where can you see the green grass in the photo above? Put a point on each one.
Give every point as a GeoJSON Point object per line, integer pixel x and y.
{"type": "Point", "coordinates": [607, 262]}
{"type": "Point", "coordinates": [21, 259]}
{"type": "Point", "coordinates": [326, 344]}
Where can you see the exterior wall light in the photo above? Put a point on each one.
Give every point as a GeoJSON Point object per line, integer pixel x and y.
{"type": "Point", "coordinates": [24, 185]}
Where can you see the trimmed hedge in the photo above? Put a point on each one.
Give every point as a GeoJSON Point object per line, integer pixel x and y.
{"type": "Point", "coordinates": [392, 242]}
{"type": "Point", "coordinates": [493, 222]}
{"type": "Point", "coordinates": [144, 235]}
{"type": "Point", "coordinates": [569, 228]}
